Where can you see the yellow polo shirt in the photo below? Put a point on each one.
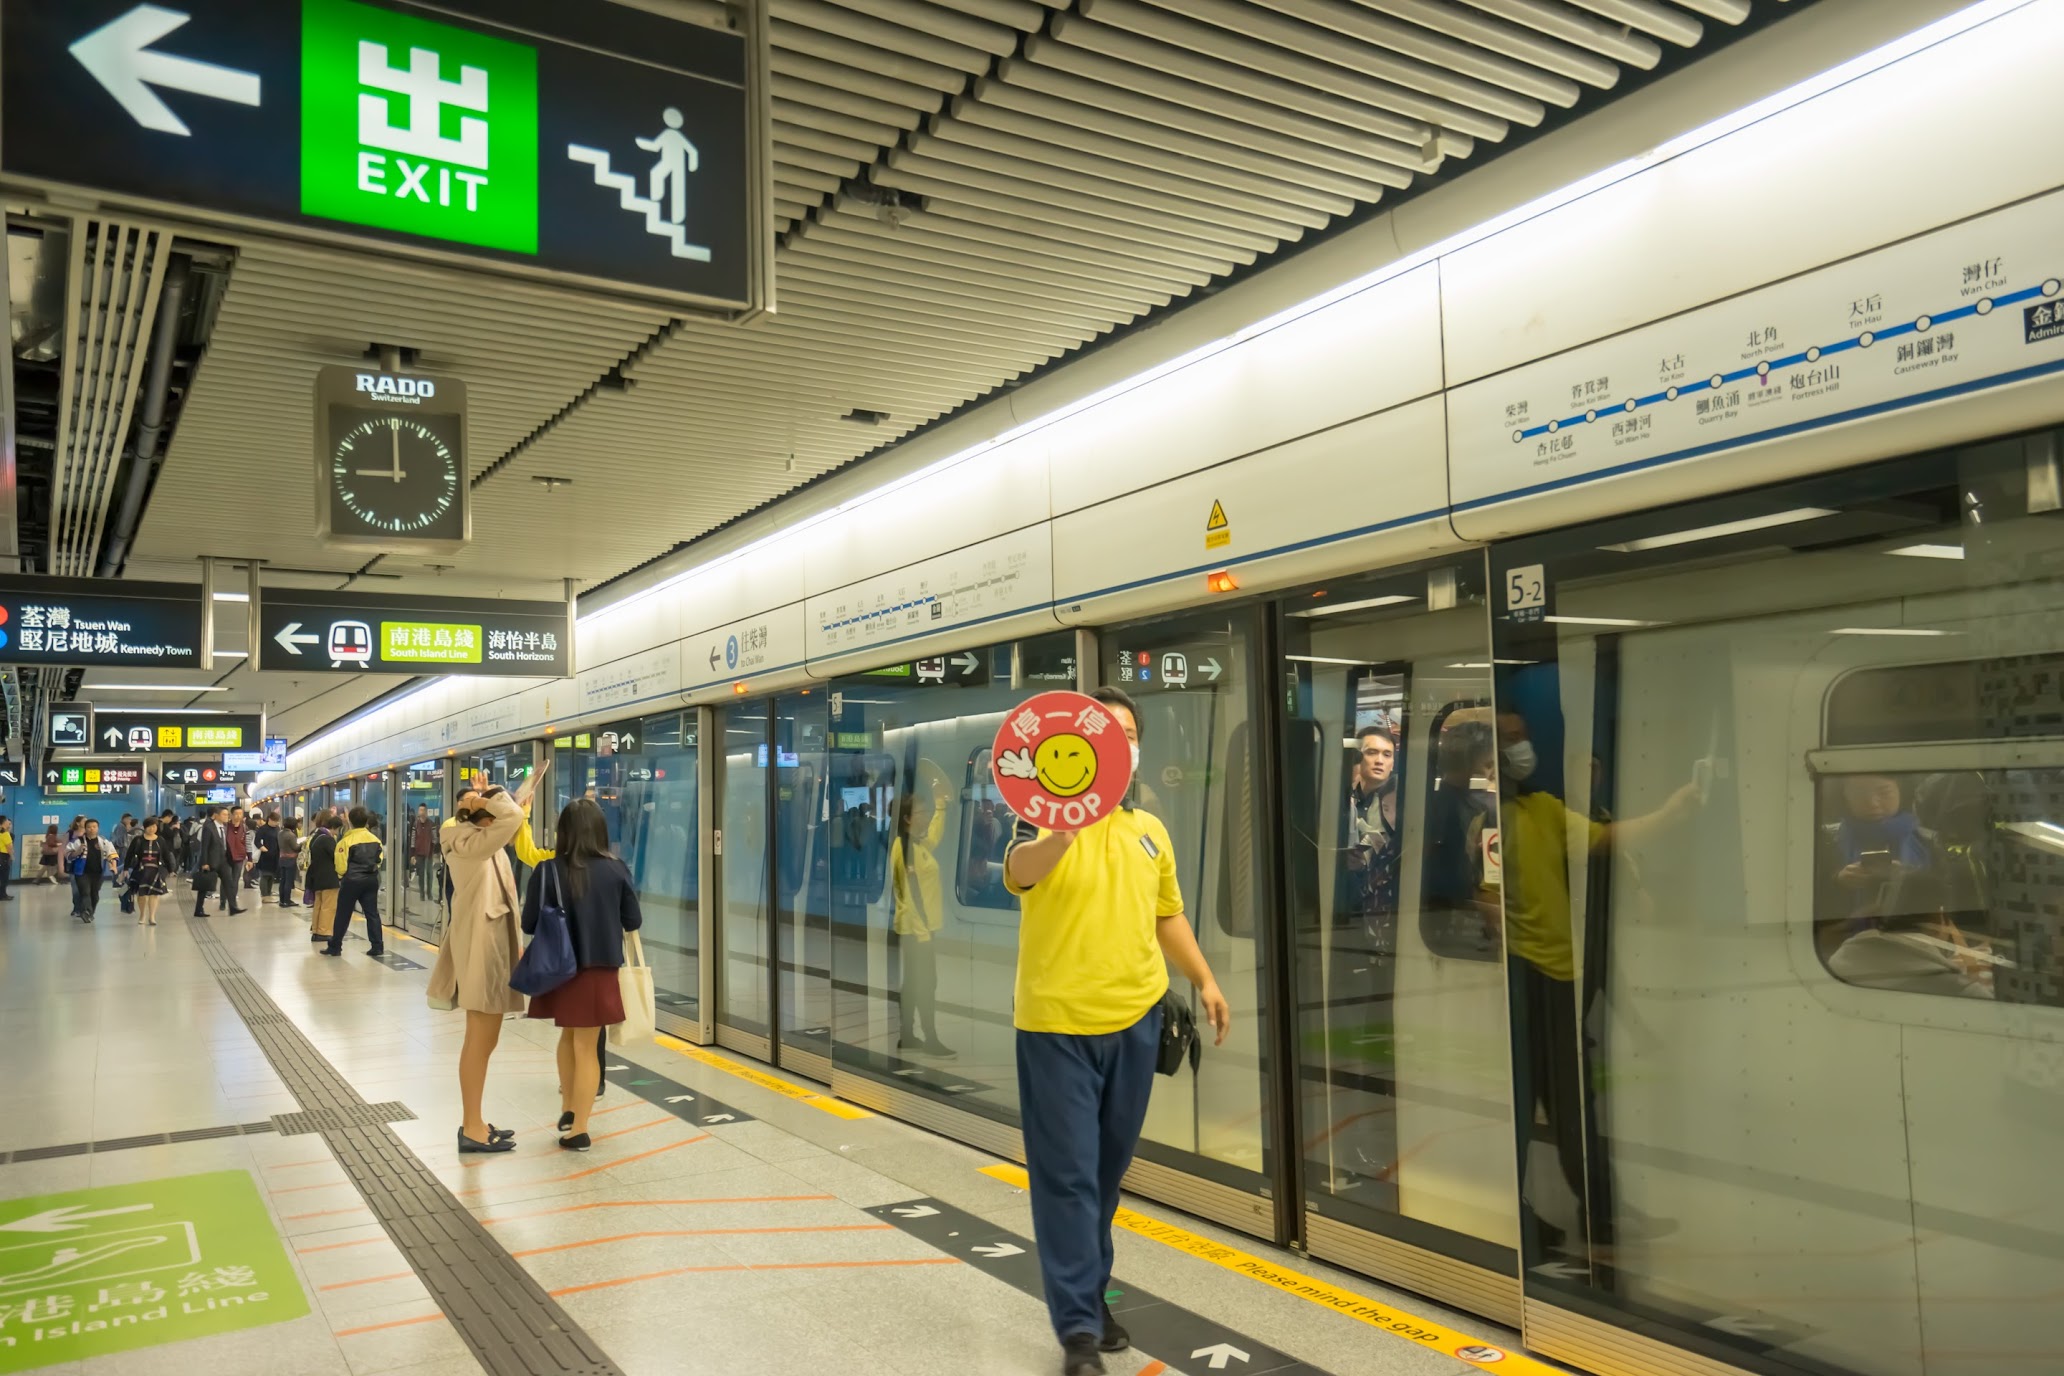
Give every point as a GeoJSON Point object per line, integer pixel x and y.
{"type": "Point", "coordinates": [1089, 962]}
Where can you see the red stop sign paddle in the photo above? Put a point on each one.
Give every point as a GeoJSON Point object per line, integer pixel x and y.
{"type": "Point", "coordinates": [1061, 761]}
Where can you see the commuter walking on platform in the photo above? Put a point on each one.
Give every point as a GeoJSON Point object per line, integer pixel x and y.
{"type": "Point", "coordinates": [479, 950]}
{"type": "Point", "coordinates": [148, 862]}
{"type": "Point", "coordinates": [52, 854]}
{"type": "Point", "coordinates": [126, 831]}
{"type": "Point", "coordinates": [266, 865]}
{"type": "Point", "coordinates": [73, 834]}
{"type": "Point", "coordinates": [322, 879]}
{"type": "Point", "coordinates": [93, 859]}
{"type": "Point", "coordinates": [6, 857]}
{"type": "Point", "coordinates": [600, 900]}
{"type": "Point", "coordinates": [289, 861]}
{"type": "Point", "coordinates": [1101, 910]}
{"type": "Point", "coordinates": [216, 869]}
{"type": "Point", "coordinates": [238, 841]}
{"type": "Point", "coordinates": [360, 857]}
{"type": "Point", "coordinates": [422, 847]}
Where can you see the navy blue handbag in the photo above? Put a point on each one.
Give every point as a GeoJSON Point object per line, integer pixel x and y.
{"type": "Point", "coordinates": [547, 962]}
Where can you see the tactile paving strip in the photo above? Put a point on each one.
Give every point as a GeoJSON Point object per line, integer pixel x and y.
{"type": "Point", "coordinates": [513, 1327]}
{"type": "Point", "coordinates": [149, 1139]}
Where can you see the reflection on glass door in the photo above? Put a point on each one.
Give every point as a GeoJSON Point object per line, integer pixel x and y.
{"type": "Point", "coordinates": [802, 871]}
{"type": "Point", "coordinates": [509, 766]}
{"type": "Point", "coordinates": [744, 973]}
{"type": "Point", "coordinates": [660, 808]}
{"type": "Point", "coordinates": [414, 851]}
{"type": "Point", "coordinates": [1390, 866]}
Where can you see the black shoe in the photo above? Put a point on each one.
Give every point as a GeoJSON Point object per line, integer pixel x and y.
{"type": "Point", "coordinates": [493, 1143]}
{"type": "Point", "coordinates": [495, 1134]}
{"type": "Point", "coordinates": [906, 1042]}
{"type": "Point", "coordinates": [935, 1047]}
{"type": "Point", "coordinates": [377, 954]}
{"type": "Point", "coordinates": [1079, 1355]}
{"type": "Point", "coordinates": [578, 1142]}
{"type": "Point", "coordinates": [566, 1120]}
{"type": "Point", "coordinates": [328, 952]}
{"type": "Point", "coordinates": [1115, 1338]}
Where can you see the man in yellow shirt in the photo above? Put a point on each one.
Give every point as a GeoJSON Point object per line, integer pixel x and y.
{"type": "Point", "coordinates": [1102, 915]}
{"type": "Point", "coordinates": [6, 857]}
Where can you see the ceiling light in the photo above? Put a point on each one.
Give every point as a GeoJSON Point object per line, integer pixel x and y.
{"type": "Point", "coordinates": [232, 597]}
{"type": "Point", "coordinates": [150, 688]}
{"type": "Point", "coordinates": [1889, 630]}
{"type": "Point", "coordinates": [1714, 532]}
{"type": "Point", "coordinates": [1336, 608]}
{"type": "Point", "coordinates": [1929, 551]}
{"type": "Point", "coordinates": [1322, 659]}
{"type": "Point", "coordinates": [1494, 663]}
{"type": "Point", "coordinates": [1599, 621]}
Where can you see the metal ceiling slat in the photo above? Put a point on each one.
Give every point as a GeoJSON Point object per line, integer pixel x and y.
{"type": "Point", "coordinates": [866, 81]}
{"type": "Point", "coordinates": [797, 91]}
{"type": "Point", "coordinates": [994, 39]}
{"type": "Point", "coordinates": [831, 164]}
{"type": "Point", "coordinates": [819, 266]}
{"type": "Point", "coordinates": [1323, 73]}
{"type": "Point", "coordinates": [1079, 74]}
{"type": "Point", "coordinates": [928, 253]}
{"type": "Point", "coordinates": [1017, 14]}
{"type": "Point", "coordinates": [1515, 43]}
{"type": "Point", "coordinates": [1097, 195]}
{"type": "Point", "coordinates": [804, 24]}
{"type": "Point", "coordinates": [826, 141]}
{"type": "Point", "coordinates": [1209, 73]}
{"type": "Point", "coordinates": [898, 292]}
{"type": "Point", "coordinates": [1438, 65]}
{"type": "Point", "coordinates": [1726, 11]}
{"type": "Point", "coordinates": [1550, 17]}
{"type": "Point", "coordinates": [787, 176]}
{"type": "Point", "coordinates": [826, 309]}
{"type": "Point", "coordinates": [986, 238]}
{"type": "Point", "coordinates": [1673, 26]}
{"type": "Point", "coordinates": [789, 114]}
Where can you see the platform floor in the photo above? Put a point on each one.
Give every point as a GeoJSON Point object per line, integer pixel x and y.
{"type": "Point", "coordinates": [326, 1223]}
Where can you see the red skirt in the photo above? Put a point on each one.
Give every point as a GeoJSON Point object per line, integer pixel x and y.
{"type": "Point", "coordinates": [592, 998]}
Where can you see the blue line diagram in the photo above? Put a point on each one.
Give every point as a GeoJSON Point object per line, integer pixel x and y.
{"type": "Point", "coordinates": [1920, 325]}
{"type": "Point", "coordinates": [876, 614]}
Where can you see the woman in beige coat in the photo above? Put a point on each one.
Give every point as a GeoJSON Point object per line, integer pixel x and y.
{"type": "Point", "coordinates": [480, 946]}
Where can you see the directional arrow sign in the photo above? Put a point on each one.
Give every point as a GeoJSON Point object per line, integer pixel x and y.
{"type": "Point", "coordinates": [680, 1098]}
{"type": "Point", "coordinates": [720, 1118]}
{"type": "Point", "coordinates": [716, 657]}
{"type": "Point", "coordinates": [119, 57]}
{"type": "Point", "coordinates": [967, 664]}
{"type": "Point", "coordinates": [1220, 1354]}
{"type": "Point", "coordinates": [916, 1211]}
{"type": "Point", "coordinates": [291, 638]}
{"type": "Point", "coordinates": [1741, 1326]}
{"type": "Point", "coordinates": [51, 776]}
{"type": "Point", "coordinates": [998, 1250]}
{"type": "Point", "coordinates": [1211, 669]}
{"type": "Point", "coordinates": [113, 738]}
{"type": "Point", "coordinates": [68, 1219]}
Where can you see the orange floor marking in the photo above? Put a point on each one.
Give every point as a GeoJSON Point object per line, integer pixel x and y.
{"type": "Point", "coordinates": [391, 1323]}
{"type": "Point", "coordinates": [656, 1203]}
{"type": "Point", "coordinates": [336, 1246]}
{"type": "Point", "coordinates": [325, 1213]}
{"type": "Point", "coordinates": [1153, 1369]}
{"type": "Point", "coordinates": [326, 1185]}
{"type": "Point", "coordinates": [592, 1170]}
{"type": "Point", "coordinates": [365, 1280]}
{"type": "Point", "coordinates": [639, 1128]}
{"type": "Point", "coordinates": [290, 1165]}
{"type": "Point", "coordinates": [771, 1266]}
{"type": "Point", "coordinates": [705, 1232]}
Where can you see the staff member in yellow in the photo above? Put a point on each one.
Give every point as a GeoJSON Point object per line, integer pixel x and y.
{"type": "Point", "coordinates": [6, 857]}
{"type": "Point", "coordinates": [359, 858]}
{"type": "Point", "coordinates": [920, 904]}
{"type": "Point", "coordinates": [1101, 910]}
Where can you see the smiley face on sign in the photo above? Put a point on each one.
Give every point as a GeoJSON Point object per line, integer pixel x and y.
{"type": "Point", "coordinates": [1061, 761]}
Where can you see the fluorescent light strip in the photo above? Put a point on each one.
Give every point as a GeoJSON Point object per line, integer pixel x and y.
{"type": "Point", "coordinates": [1496, 663]}
{"type": "Point", "coordinates": [1715, 532]}
{"type": "Point", "coordinates": [1929, 551]}
{"type": "Point", "coordinates": [1890, 630]}
{"type": "Point", "coordinates": [1394, 600]}
{"type": "Point", "coordinates": [1601, 621]}
{"type": "Point", "coordinates": [1943, 29]}
{"type": "Point", "coordinates": [1322, 659]}
{"type": "Point", "coordinates": [150, 688]}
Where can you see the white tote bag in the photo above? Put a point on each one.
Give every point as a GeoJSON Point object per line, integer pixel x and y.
{"type": "Point", "coordinates": [639, 1004]}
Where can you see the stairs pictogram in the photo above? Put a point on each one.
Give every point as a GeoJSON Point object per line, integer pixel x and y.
{"type": "Point", "coordinates": [626, 188]}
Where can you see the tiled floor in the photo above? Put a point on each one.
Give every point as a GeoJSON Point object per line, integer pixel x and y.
{"type": "Point", "coordinates": [743, 1247]}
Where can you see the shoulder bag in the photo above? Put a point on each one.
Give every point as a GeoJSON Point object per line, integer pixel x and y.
{"type": "Point", "coordinates": [1179, 1040]}
{"type": "Point", "coordinates": [640, 1004]}
{"type": "Point", "coordinates": [547, 962]}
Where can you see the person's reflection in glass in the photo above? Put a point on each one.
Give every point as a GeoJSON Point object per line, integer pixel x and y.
{"type": "Point", "coordinates": [1369, 850]}
{"type": "Point", "coordinates": [920, 907]}
{"type": "Point", "coordinates": [1551, 1072]}
{"type": "Point", "coordinates": [1460, 916]}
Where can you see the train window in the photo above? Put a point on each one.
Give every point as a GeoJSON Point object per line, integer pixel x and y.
{"type": "Point", "coordinates": [1954, 700]}
{"type": "Point", "coordinates": [985, 834]}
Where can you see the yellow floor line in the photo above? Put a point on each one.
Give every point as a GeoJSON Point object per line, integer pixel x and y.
{"type": "Point", "coordinates": [1425, 1332]}
{"type": "Point", "coordinates": [837, 1108]}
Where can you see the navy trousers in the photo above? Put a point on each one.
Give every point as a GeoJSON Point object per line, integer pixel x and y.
{"type": "Point", "coordinates": [363, 894]}
{"type": "Point", "coordinates": [1083, 1101]}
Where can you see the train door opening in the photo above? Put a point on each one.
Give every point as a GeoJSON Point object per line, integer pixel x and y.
{"type": "Point", "coordinates": [744, 766]}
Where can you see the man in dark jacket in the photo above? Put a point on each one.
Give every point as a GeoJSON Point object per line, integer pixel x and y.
{"type": "Point", "coordinates": [322, 879]}
{"type": "Point", "coordinates": [237, 837]}
{"type": "Point", "coordinates": [359, 858]}
{"type": "Point", "coordinates": [267, 866]}
{"type": "Point", "coordinates": [215, 857]}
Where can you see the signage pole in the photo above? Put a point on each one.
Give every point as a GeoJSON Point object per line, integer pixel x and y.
{"type": "Point", "coordinates": [208, 613]}
{"type": "Point", "coordinates": [256, 567]}
{"type": "Point", "coordinates": [572, 606]}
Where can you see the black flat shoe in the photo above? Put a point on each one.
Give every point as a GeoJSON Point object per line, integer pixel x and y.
{"type": "Point", "coordinates": [566, 1120]}
{"type": "Point", "coordinates": [495, 1134]}
{"type": "Point", "coordinates": [1115, 1338]}
{"type": "Point", "coordinates": [493, 1143]}
{"type": "Point", "coordinates": [579, 1142]}
{"type": "Point", "coordinates": [1079, 1355]}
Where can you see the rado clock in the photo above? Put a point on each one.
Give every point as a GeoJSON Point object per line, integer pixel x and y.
{"type": "Point", "coordinates": [390, 461]}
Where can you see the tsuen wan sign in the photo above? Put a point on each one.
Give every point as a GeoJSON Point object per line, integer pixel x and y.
{"type": "Point", "coordinates": [99, 622]}
{"type": "Point", "coordinates": [300, 629]}
{"type": "Point", "coordinates": [585, 143]}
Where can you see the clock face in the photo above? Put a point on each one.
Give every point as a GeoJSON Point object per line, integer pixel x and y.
{"type": "Point", "coordinates": [395, 474]}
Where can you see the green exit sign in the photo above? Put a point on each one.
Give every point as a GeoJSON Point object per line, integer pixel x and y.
{"type": "Point", "coordinates": [418, 127]}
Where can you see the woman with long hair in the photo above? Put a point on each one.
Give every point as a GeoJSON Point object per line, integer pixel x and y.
{"type": "Point", "coordinates": [479, 948]}
{"type": "Point", "coordinates": [600, 899]}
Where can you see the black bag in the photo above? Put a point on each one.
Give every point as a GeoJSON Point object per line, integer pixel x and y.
{"type": "Point", "coordinates": [203, 883]}
{"type": "Point", "coordinates": [1179, 1040]}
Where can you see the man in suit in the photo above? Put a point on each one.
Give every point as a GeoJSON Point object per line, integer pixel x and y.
{"type": "Point", "coordinates": [215, 859]}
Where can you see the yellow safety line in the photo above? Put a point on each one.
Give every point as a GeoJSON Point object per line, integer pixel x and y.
{"type": "Point", "coordinates": [1475, 1351]}
{"type": "Point", "coordinates": [837, 1108]}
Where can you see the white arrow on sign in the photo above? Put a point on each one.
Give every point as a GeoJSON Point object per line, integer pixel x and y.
{"type": "Point", "coordinates": [114, 737]}
{"type": "Point", "coordinates": [290, 638]}
{"type": "Point", "coordinates": [720, 1118]}
{"type": "Point", "coordinates": [915, 1211]}
{"type": "Point", "coordinates": [1212, 668]}
{"type": "Point", "coordinates": [681, 1098]}
{"type": "Point", "coordinates": [616, 1067]}
{"type": "Point", "coordinates": [1220, 1354]}
{"type": "Point", "coordinates": [999, 1250]}
{"type": "Point", "coordinates": [118, 57]}
{"type": "Point", "coordinates": [1740, 1326]}
{"type": "Point", "coordinates": [967, 664]}
{"type": "Point", "coordinates": [66, 1219]}
{"type": "Point", "coordinates": [914, 1070]}
{"type": "Point", "coordinates": [1562, 1270]}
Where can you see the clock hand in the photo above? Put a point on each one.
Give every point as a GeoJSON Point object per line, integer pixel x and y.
{"type": "Point", "coordinates": [379, 473]}
{"type": "Point", "coordinates": [394, 431]}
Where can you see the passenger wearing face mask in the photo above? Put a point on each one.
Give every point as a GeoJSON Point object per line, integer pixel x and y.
{"type": "Point", "coordinates": [1536, 828]}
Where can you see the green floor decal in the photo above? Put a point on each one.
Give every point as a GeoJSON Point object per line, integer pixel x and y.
{"type": "Point", "coordinates": [96, 1271]}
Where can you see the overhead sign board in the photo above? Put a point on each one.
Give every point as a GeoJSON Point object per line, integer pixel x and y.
{"type": "Point", "coordinates": [298, 629]}
{"type": "Point", "coordinates": [95, 776]}
{"type": "Point", "coordinates": [12, 772]}
{"type": "Point", "coordinates": [174, 732]}
{"type": "Point", "coordinates": [99, 622]}
{"type": "Point", "coordinates": [269, 760]}
{"type": "Point", "coordinates": [390, 461]}
{"type": "Point", "coordinates": [71, 726]}
{"type": "Point", "coordinates": [519, 141]}
{"type": "Point", "coordinates": [203, 774]}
